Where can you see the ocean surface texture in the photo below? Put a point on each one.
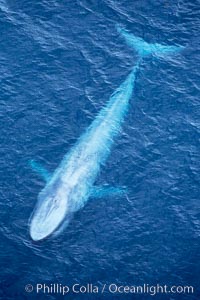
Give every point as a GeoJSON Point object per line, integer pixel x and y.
{"type": "Point", "coordinates": [59, 63]}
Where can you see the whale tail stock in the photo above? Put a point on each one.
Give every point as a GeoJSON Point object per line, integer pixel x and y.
{"type": "Point", "coordinates": [145, 49]}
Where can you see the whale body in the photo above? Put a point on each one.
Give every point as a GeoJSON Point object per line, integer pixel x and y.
{"type": "Point", "coordinates": [72, 183]}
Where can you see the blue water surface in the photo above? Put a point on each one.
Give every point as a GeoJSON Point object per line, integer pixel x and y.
{"type": "Point", "coordinates": [59, 63]}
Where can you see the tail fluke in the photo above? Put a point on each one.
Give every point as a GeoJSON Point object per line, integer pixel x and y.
{"type": "Point", "coordinates": [143, 48]}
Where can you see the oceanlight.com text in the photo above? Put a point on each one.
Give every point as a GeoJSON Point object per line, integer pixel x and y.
{"type": "Point", "coordinates": [113, 288]}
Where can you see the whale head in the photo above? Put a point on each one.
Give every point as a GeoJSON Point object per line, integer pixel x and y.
{"type": "Point", "coordinates": [48, 216]}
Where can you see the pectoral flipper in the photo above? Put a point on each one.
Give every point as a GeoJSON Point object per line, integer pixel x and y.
{"type": "Point", "coordinates": [107, 191]}
{"type": "Point", "coordinates": [39, 169]}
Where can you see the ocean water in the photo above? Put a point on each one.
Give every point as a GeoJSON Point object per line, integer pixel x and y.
{"type": "Point", "coordinates": [59, 63]}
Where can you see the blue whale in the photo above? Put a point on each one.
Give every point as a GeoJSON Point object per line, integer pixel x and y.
{"type": "Point", "coordinates": [72, 184]}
